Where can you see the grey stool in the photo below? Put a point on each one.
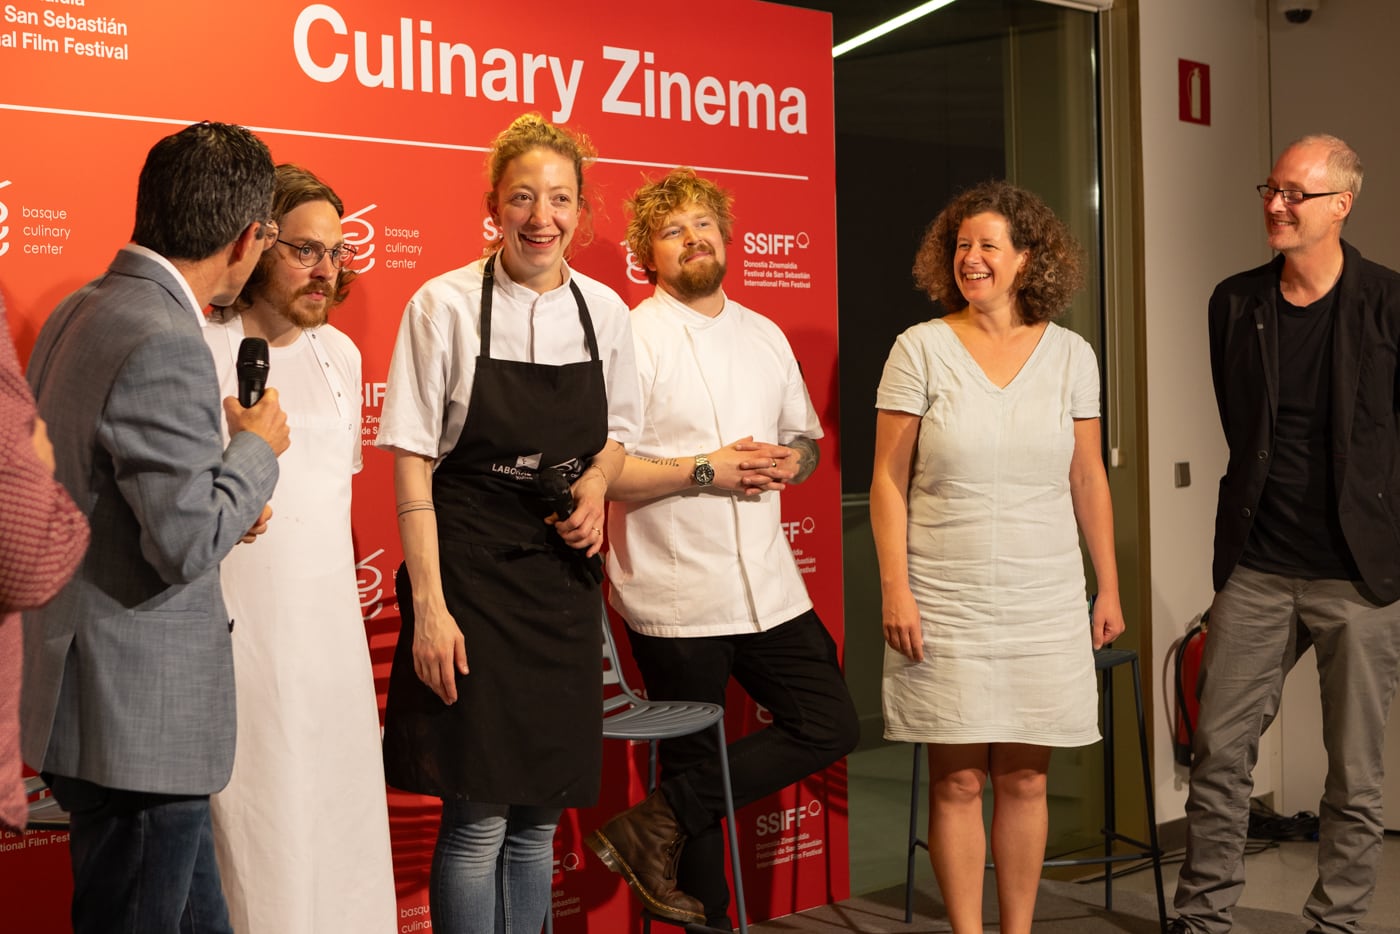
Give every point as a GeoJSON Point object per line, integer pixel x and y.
{"type": "Point", "coordinates": [1105, 661]}
{"type": "Point", "coordinates": [629, 716]}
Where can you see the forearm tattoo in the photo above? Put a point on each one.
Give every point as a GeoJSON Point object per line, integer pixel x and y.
{"type": "Point", "coordinates": [811, 455]}
{"type": "Point", "coordinates": [660, 461]}
{"type": "Point", "coordinates": [415, 505]}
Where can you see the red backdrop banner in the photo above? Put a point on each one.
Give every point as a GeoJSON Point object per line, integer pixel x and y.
{"type": "Point", "coordinates": [395, 109]}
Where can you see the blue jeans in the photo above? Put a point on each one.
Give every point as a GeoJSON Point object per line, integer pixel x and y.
{"type": "Point", "coordinates": [143, 863]}
{"type": "Point", "coordinates": [492, 868]}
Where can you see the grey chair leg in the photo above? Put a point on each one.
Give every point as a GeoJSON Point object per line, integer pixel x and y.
{"type": "Point", "coordinates": [1151, 800]}
{"type": "Point", "coordinates": [914, 841]}
{"type": "Point", "coordinates": [1110, 810]}
{"type": "Point", "coordinates": [653, 781]}
{"type": "Point", "coordinates": [731, 829]}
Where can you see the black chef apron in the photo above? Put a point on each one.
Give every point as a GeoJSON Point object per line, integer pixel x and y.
{"type": "Point", "coordinates": [527, 725]}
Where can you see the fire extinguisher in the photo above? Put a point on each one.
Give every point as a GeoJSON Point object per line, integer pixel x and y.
{"type": "Point", "coordinates": [1188, 687]}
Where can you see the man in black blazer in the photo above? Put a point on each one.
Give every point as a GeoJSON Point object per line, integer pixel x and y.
{"type": "Point", "coordinates": [128, 706]}
{"type": "Point", "coordinates": [1307, 549]}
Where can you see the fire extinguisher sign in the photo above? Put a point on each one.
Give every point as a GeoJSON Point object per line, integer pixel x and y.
{"type": "Point", "coordinates": [1193, 83]}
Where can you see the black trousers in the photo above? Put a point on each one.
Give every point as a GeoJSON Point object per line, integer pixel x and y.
{"type": "Point", "coordinates": [793, 671]}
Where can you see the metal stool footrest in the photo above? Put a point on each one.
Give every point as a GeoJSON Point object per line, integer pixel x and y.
{"type": "Point", "coordinates": [1105, 660]}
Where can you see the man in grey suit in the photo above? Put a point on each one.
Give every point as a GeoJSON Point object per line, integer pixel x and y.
{"type": "Point", "coordinates": [127, 706]}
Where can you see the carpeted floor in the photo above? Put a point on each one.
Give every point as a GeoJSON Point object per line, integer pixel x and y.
{"type": "Point", "coordinates": [1062, 908]}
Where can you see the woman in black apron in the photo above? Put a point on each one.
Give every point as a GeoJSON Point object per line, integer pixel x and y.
{"type": "Point", "coordinates": [494, 692]}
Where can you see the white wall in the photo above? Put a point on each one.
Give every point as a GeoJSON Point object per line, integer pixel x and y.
{"type": "Point", "coordinates": [1201, 222]}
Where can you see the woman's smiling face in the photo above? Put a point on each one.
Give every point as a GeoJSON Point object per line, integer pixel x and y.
{"type": "Point", "coordinates": [536, 206]}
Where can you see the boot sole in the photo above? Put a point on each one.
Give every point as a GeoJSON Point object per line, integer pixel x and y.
{"type": "Point", "coordinates": [605, 851]}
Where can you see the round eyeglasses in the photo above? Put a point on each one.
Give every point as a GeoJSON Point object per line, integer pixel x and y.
{"type": "Point", "coordinates": [267, 234]}
{"type": "Point", "coordinates": [1291, 195]}
{"type": "Point", "coordinates": [312, 252]}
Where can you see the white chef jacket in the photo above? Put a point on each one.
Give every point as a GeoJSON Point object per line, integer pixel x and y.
{"type": "Point", "coordinates": [434, 361]}
{"type": "Point", "coordinates": [301, 831]}
{"type": "Point", "coordinates": [704, 562]}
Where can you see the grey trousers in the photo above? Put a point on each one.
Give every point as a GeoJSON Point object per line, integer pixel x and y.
{"type": "Point", "coordinates": [1260, 624]}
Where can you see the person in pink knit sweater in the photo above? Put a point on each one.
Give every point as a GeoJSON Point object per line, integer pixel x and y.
{"type": "Point", "coordinates": [43, 536]}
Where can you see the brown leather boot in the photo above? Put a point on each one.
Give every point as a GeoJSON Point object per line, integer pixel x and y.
{"type": "Point", "coordinates": [642, 844]}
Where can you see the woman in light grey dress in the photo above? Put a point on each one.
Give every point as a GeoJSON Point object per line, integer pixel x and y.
{"type": "Point", "coordinates": [987, 465]}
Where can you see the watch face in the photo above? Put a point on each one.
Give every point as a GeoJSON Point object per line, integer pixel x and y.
{"type": "Point", "coordinates": [704, 474]}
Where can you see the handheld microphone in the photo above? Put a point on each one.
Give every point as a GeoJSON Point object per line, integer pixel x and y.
{"type": "Point", "coordinates": [252, 370]}
{"type": "Point", "coordinates": [553, 487]}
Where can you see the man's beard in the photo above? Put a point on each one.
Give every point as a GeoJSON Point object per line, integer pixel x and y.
{"type": "Point", "coordinates": [300, 313]}
{"type": "Point", "coordinates": [698, 280]}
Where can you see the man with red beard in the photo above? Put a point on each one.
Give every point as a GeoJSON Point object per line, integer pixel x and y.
{"type": "Point", "coordinates": [301, 831]}
{"type": "Point", "coordinates": [699, 566]}
{"type": "Point", "coordinates": [1303, 351]}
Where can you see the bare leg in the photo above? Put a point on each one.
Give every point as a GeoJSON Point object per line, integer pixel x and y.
{"type": "Point", "coordinates": [1020, 821]}
{"type": "Point", "coordinates": [957, 840]}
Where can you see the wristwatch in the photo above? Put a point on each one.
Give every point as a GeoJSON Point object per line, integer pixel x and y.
{"type": "Point", "coordinates": [703, 474]}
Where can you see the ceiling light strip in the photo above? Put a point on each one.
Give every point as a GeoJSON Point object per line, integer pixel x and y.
{"type": "Point", "coordinates": [923, 9]}
{"type": "Point", "coordinates": [888, 26]}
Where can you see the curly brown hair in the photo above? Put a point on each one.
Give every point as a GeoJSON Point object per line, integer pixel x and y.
{"type": "Point", "coordinates": [527, 133]}
{"type": "Point", "coordinates": [295, 186]}
{"type": "Point", "coordinates": [1053, 270]}
{"type": "Point", "coordinates": [657, 200]}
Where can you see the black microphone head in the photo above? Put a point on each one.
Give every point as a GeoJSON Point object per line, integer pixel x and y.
{"type": "Point", "coordinates": [252, 353]}
{"type": "Point", "coordinates": [552, 484]}
{"type": "Point", "coordinates": [252, 370]}
{"type": "Point", "coordinates": [554, 489]}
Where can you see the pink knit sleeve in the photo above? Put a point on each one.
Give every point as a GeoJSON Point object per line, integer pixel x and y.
{"type": "Point", "coordinates": [42, 534]}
